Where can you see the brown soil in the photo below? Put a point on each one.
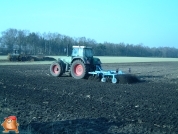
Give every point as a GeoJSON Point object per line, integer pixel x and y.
{"type": "Point", "coordinates": [65, 105]}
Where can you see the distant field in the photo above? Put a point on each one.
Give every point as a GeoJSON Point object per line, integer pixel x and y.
{"type": "Point", "coordinates": [134, 59]}
{"type": "Point", "coordinates": [104, 59]}
{"type": "Point", "coordinates": [108, 59]}
{"type": "Point", "coordinates": [3, 58]}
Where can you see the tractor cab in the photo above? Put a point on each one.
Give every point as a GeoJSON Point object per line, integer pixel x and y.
{"type": "Point", "coordinates": [82, 51]}
{"type": "Point", "coordinates": [15, 52]}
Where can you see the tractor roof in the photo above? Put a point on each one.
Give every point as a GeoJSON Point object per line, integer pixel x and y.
{"type": "Point", "coordinates": [81, 47]}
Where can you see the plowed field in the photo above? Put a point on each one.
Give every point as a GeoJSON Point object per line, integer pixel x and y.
{"type": "Point", "coordinates": [63, 105]}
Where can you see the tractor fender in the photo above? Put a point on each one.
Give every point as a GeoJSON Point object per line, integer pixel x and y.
{"type": "Point", "coordinates": [96, 61]}
{"type": "Point", "coordinates": [79, 58]}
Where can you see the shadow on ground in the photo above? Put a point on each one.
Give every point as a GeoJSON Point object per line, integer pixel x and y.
{"type": "Point", "coordinates": [78, 126]}
{"type": "Point", "coordinates": [92, 126]}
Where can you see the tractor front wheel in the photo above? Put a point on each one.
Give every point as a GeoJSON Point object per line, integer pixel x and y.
{"type": "Point", "coordinates": [79, 70]}
{"type": "Point", "coordinates": [56, 69]}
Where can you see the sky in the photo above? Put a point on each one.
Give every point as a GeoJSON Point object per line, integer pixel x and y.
{"type": "Point", "coordinates": [152, 23]}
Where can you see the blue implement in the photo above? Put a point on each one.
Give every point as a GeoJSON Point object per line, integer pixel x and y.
{"type": "Point", "coordinates": [105, 74]}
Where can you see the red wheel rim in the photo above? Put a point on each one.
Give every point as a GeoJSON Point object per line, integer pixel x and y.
{"type": "Point", "coordinates": [78, 69]}
{"type": "Point", "coordinates": [56, 69]}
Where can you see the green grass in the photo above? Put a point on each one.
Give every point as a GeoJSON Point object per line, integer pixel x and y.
{"type": "Point", "coordinates": [134, 59]}
{"type": "Point", "coordinates": [3, 58]}
{"type": "Point", "coordinates": [112, 59]}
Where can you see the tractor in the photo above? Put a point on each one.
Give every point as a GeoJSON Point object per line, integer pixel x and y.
{"type": "Point", "coordinates": [16, 56]}
{"type": "Point", "coordinates": [82, 65]}
{"type": "Point", "coordinates": [78, 65]}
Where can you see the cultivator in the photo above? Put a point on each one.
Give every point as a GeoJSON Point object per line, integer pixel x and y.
{"type": "Point", "coordinates": [106, 74]}
{"type": "Point", "coordinates": [82, 64]}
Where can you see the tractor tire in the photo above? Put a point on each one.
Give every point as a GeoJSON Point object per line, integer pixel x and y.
{"type": "Point", "coordinates": [23, 58]}
{"type": "Point", "coordinates": [19, 58]}
{"type": "Point", "coordinates": [56, 69]}
{"type": "Point", "coordinates": [79, 70]}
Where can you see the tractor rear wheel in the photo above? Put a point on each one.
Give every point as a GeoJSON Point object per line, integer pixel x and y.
{"type": "Point", "coordinates": [79, 70]}
{"type": "Point", "coordinates": [56, 69]}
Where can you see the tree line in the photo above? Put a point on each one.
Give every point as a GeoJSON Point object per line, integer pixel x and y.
{"type": "Point", "coordinates": [56, 44]}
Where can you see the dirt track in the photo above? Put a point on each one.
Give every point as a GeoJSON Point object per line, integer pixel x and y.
{"type": "Point", "coordinates": [64, 105]}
